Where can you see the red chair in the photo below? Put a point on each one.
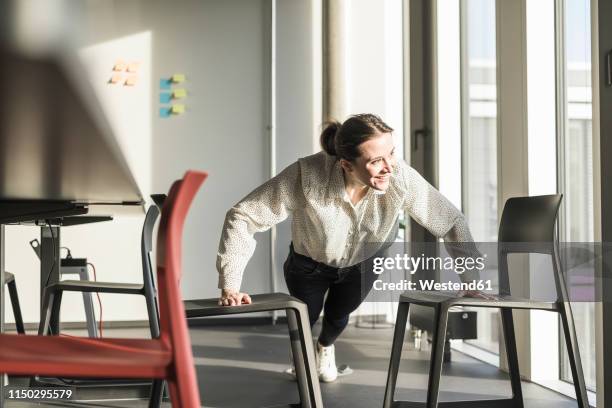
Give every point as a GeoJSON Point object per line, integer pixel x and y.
{"type": "Point", "coordinates": [168, 357]}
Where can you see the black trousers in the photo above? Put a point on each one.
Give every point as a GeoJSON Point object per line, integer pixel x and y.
{"type": "Point", "coordinates": [309, 280]}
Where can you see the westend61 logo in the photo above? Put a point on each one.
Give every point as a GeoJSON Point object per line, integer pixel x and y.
{"type": "Point", "coordinates": [427, 263]}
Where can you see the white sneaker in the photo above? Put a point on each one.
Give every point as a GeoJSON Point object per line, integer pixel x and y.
{"type": "Point", "coordinates": [326, 363]}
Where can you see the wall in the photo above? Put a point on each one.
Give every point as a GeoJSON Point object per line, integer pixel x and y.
{"type": "Point", "coordinates": [298, 97]}
{"type": "Point", "coordinates": [224, 49]}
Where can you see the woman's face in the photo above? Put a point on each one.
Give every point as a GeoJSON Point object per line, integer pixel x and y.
{"type": "Point", "coordinates": [374, 166]}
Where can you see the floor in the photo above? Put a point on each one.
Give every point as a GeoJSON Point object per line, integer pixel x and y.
{"type": "Point", "coordinates": [242, 366]}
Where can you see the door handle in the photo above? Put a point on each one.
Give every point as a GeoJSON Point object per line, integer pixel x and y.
{"type": "Point", "coordinates": [425, 132]}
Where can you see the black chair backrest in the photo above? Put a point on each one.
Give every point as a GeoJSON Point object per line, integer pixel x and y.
{"type": "Point", "coordinates": [529, 219]}
{"type": "Point", "coordinates": [528, 226]}
{"type": "Point", "coordinates": [146, 246]}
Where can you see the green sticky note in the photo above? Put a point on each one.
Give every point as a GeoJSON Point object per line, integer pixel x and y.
{"type": "Point", "coordinates": [176, 78]}
{"type": "Point", "coordinates": [179, 93]}
{"type": "Point", "coordinates": [178, 109]}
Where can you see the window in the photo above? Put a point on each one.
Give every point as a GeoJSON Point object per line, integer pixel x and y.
{"type": "Point", "coordinates": [576, 162]}
{"type": "Point", "coordinates": [560, 159]}
{"type": "Point", "coordinates": [467, 123]}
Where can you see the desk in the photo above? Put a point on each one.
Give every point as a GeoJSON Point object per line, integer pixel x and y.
{"type": "Point", "coordinates": [58, 156]}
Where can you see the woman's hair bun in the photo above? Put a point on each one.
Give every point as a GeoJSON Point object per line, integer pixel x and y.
{"type": "Point", "coordinates": [328, 137]}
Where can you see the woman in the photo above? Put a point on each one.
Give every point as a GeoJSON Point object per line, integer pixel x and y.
{"type": "Point", "coordinates": [341, 198]}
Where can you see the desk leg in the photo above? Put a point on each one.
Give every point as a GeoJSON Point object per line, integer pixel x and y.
{"type": "Point", "coordinates": [49, 267]}
{"type": "Point", "coordinates": [3, 377]}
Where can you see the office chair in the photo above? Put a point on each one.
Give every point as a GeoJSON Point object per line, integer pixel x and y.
{"type": "Point", "coordinates": [146, 289]}
{"type": "Point", "coordinates": [169, 357]}
{"type": "Point", "coordinates": [527, 226]}
{"type": "Point", "coordinates": [83, 274]}
{"type": "Point", "coordinates": [9, 281]}
{"type": "Point", "coordinates": [299, 331]}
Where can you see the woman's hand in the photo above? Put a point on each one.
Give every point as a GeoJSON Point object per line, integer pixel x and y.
{"type": "Point", "coordinates": [233, 298]}
{"type": "Point", "coordinates": [476, 294]}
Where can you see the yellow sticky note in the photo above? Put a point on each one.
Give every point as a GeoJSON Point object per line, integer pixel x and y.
{"type": "Point", "coordinates": [178, 78]}
{"type": "Point", "coordinates": [131, 80]}
{"type": "Point", "coordinates": [177, 109]}
{"type": "Point", "coordinates": [119, 66]}
{"type": "Point", "coordinates": [116, 78]}
{"type": "Point", "coordinates": [179, 93]}
{"type": "Point", "coordinates": [132, 67]}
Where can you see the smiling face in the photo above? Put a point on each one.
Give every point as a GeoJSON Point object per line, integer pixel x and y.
{"type": "Point", "coordinates": [374, 166]}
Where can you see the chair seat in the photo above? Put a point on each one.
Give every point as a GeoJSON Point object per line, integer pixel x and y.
{"type": "Point", "coordinates": [83, 357]}
{"type": "Point", "coordinates": [103, 287]}
{"type": "Point", "coordinates": [432, 298]}
{"type": "Point", "coordinates": [259, 303]}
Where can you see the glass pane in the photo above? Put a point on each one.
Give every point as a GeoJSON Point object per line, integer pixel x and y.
{"type": "Point", "coordinates": [577, 165]}
{"type": "Point", "coordinates": [467, 122]}
{"type": "Point", "coordinates": [479, 140]}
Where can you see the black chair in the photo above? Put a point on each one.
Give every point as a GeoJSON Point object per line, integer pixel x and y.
{"type": "Point", "coordinates": [53, 293]}
{"type": "Point", "coordinates": [299, 334]}
{"type": "Point", "coordinates": [9, 280]}
{"type": "Point", "coordinates": [527, 226]}
{"type": "Point", "coordinates": [299, 331]}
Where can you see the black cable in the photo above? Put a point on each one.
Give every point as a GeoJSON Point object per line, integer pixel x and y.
{"type": "Point", "coordinates": [68, 254]}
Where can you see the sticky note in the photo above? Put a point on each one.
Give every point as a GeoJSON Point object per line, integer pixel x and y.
{"type": "Point", "coordinates": [132, 67]}
{"type": "Point", "coordinates": [165, 83]}
{"type": "Point", "coordinates": [176, 78]}
{"type": "Point", "coordinates": [179, 93]}
{"type": "Point", "coordinates": [165, 97]}
{"type": "Point", "coordinates": [178, 109]}
{"type": "Point", "coordinates": [119, 66]}
{"type": "Point", "coordinates": [131, 80]}
{"type": "Point", "coordinates": [115, 79]}
{"type": "Point", "coordinates": [164, 112]}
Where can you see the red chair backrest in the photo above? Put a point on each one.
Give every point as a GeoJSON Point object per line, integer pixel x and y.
{"type": "Point", "coordinates": [173, 323]}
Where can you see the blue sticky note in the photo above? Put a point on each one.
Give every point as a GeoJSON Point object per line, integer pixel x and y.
{"type": "Point", "coordinates": [165, 97]}
{"type": "Point", "coordinates": [165, 112]}
{"type": "Point", "coordinates": [165, 83]}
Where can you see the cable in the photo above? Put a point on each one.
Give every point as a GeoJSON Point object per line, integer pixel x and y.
{"type": "Point", "coordinates": [68, 254]}
{"type": "Point", "coordinates": [98, 296]}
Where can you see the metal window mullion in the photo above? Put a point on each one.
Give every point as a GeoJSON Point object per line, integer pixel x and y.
{"type": "Point", "coordinates": [464, 92]}
{"type": "Point", "coordinates": [272, 128]}
{"type": "Point", "coordinates": [561, 109]}
{"type": "Point", "coordinates": [561, 125]}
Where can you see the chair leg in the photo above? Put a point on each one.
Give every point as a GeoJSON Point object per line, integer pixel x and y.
{"type": "Point", "coordinates": [51, 308]}
{"type": "Point", "coordinates": [157, 391]}
{"type": "Point", "coordinates": [181, 395]}
{"type": "Point", "coordinates": [157, 388]}
{"type": "Point", "coordinates": [303, 357]}
{"type": "Point", "coordinates": [45, 319]}
{"type": "Point", "coordinates": [12, 288]}
{"type": "Point", "coordinates": [175, 398]}
{"type": "Point", "coordinates": [511, 353]}
{"type": "Point", "coordinates": [571, 342]}
{"type": "Point", "coordinates": [437, 355]}
{"type": "Point", "coordinates": [396, 353]}
{"type": "Point", "coordinates": [90, 316]}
